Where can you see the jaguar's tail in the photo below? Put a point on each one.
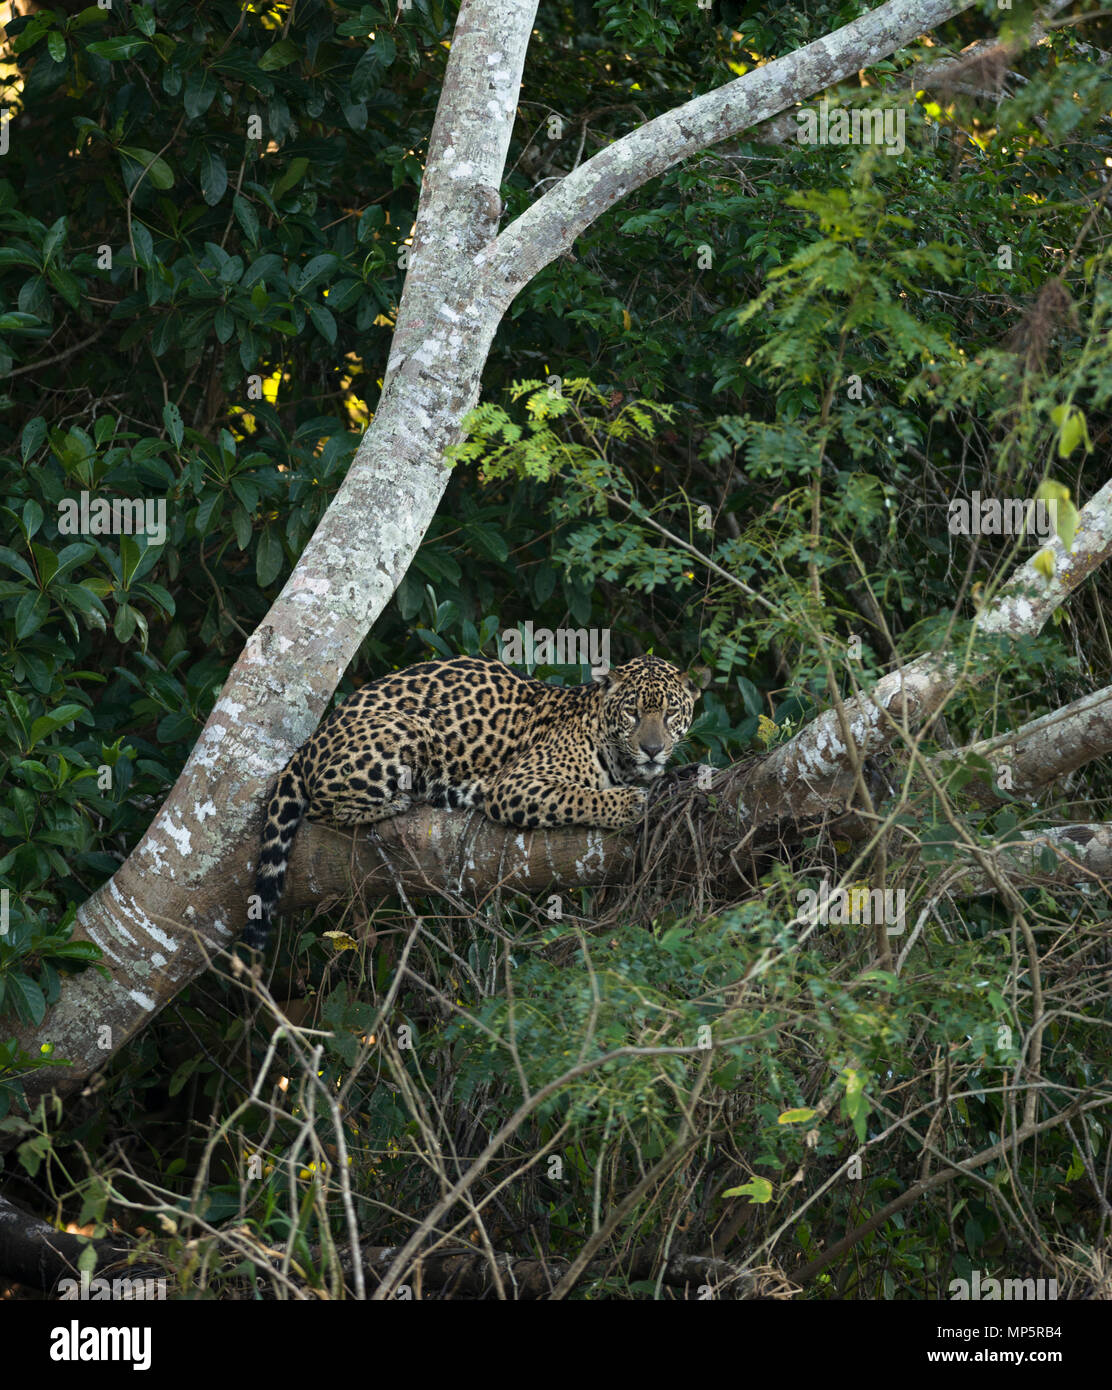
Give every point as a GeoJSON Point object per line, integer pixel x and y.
{"type": "Point", "coordinates": [285, 811]}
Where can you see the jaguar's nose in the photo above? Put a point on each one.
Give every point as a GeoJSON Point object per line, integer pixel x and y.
{"type": "Point", "coordinates": [651, 749]}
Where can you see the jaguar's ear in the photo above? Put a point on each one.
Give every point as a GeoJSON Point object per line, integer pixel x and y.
{"type": "Point", "coordinates": [607, 678]}
{"type": "Point", "coordinates": [698, 681]}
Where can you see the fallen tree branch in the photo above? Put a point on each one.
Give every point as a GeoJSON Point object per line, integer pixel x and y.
{"type": "Point", "coordinates": [36, 1255]}
{"type": "Point", "coordinates": [1042, 752]}
{"type": "Point", "coordinates": [1061, 854]}
{"type": "Point", "coordinates": [469, 1271]}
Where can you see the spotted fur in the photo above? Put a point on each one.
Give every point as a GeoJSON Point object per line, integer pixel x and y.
{"type": "Point", "coordinates": [472, 733]}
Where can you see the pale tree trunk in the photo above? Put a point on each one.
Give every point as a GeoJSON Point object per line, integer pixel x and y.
{"type": "Point", "coordinates": [182, 894]}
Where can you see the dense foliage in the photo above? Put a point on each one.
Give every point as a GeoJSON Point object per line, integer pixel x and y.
{"type": "Point", "coordinates": [779, 362]}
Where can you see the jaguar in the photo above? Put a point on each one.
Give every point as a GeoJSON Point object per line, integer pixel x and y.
{"type": "Point", "coordinates": [467, 732]}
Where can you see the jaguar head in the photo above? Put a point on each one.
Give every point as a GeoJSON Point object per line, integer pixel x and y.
{"type": "Point", "coordinates": [647, 707]}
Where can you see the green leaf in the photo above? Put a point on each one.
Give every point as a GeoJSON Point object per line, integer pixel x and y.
{"type": "Point", "coordinates": [323, 322]}
{"type": "Point", "coordinates": [70, 556]}
{"type": "Point", "coordinates": [268, 558]}
{"type": "Point", "coordinates": [544, 582]}
{"type": "Point", "coordinates": [75, 950]}
{"type": "Point", "coordinates": [157, 170]}
{"type": "Point", "coordinates": [91, 14]}
{"type": "Point", "coordinates": [318, 267]}
{"type": "Point", "coordinates": [14, 322]}
{"type": "Point", "coordinates": [183, 1073]}
{"type": "Point", "coordinates": [1073, 429]}
{"type": "Point", "coordinates": [143, 244]}
{"type": "Point", "coordinates": [171, 418]}
{"type": "Point", "coordinates": [435, 641]}
{"type": "Point", "coordinates": [241, 524]}
{"type": "Point", "coordinates": [13, 561]}
{"type": "Point", "coordinates": [410, 595]}
{"type": "Point", "coordinates": [280, 55]}
{"type": "Point", "coordinates": [344, 295]}
{"type": "Point", "coordinates": [367, 76]}
{"type": "Point", "coordinates": [130, 555]}
{"type": "Point", "coordinates": [214, 177]}
{"type": "Point", "coordinates": [33, 437]}
{"type": "Point", "coordinates": [487, 540]}
{"type": "Point", "coordinates": [208, 512]}
{"type": "Point", "coordinates": [86, 600]}
{"type": "Point", "coordinates": [11, 255]}
{"type": "Point", "coordinates": [246, 217]}
{"type": "Point", "coordinates": [125, 622]}
{"type": "Point", "coordinates": [268, 268]}
{"type": "Point", "coordinates": [247, 493]}
{"type": "Point", "coordinates": [126, 46]}
{"type": "Point", "coordinates": [26, 998]}
{"type": "Point", "coordinates": [47, 563]}
{"type": "Point", "coordinates": [30, 614]}
{"type": "Point", "coordinates": [67, 285]}
{"type": "Point", "coordinates": [53, 240]}
{"type": "Point", "coordinates": [292, 175]}
{"type": "Point", "coordinates": [47, 723]}
{"type": "Point", "coordinates": [758, 1190]}
{"type": "Point", "coordinates": [158, 595]}
{"type": "Point", "coordinates": [32, 517]}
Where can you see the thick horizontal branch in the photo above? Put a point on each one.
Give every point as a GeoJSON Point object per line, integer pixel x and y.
{"type": "Point", "coordinates": [437, 851]}
{"type": "Point", "coordinates": [1059, 855]}
{"type": "Point", "coordinates": [471, 1272]}
{"type": "Point", "coordinates": [38, 1256]}
{"type": "Point", "coordinates": [1042, 752]}
{"type": "Point", "coordinates": [429, 850]}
